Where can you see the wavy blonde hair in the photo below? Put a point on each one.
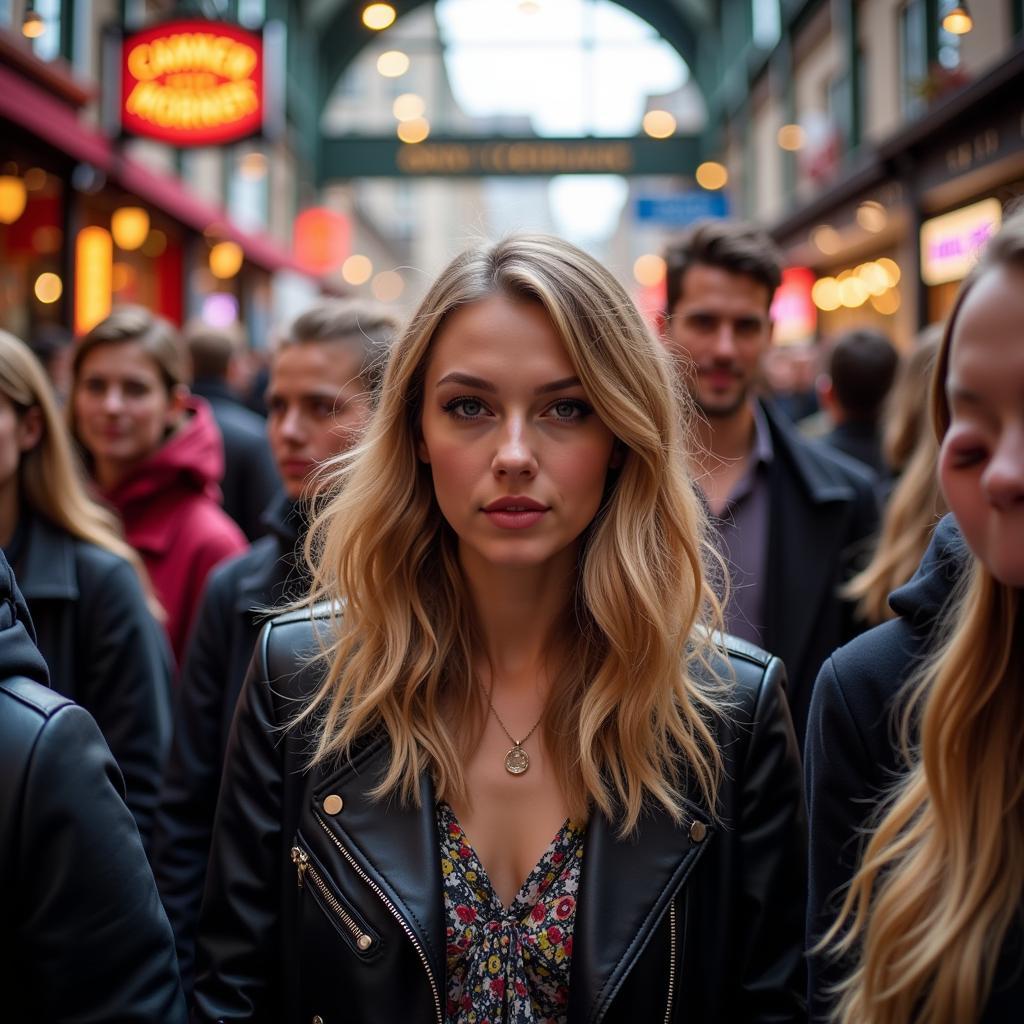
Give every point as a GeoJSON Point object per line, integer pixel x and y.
{"type": "Point", "coordinates": [916, 503]}
{"type": "Point", "coordinates": [942, 877]}
{"type": "Point", "coordinates": [52, 480]}
{"type": "Point", "coordinates": [629, 716]}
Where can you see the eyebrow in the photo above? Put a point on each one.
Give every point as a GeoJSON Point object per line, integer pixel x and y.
{"type": "Point", "coordinates": [469, 381]}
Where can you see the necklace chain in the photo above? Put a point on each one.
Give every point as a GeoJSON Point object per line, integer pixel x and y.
{"type": "Point", "coordinates": [504, 728]}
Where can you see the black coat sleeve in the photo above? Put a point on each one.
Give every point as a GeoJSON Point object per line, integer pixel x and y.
{"type": "Point", "coordinates": [772, 837]}
{"type": "Point", "coordinates": [125, 676]}
{"type": "Point", "coordinates": [188, 797]}
{"type": "Point", "coordinates": [841, 778]}
{"type": "Point", "coordinates": [237, 954]}
{"type": "Point", "coordinates": [96, 944]}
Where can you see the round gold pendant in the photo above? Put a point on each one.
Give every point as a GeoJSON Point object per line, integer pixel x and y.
{"type": "Point", "coordinates": [517, 761]}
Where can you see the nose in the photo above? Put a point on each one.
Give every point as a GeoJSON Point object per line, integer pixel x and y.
{"type": "Point", "coordinates": [113, 399]}
{"type": "Point", "coordinates": [724, 345]}
{"type": "Point", "coordinates": [291, 426]}
{"type": "Point", "coordinates": [1003, 479]}
{"type": "Point", "coordinates": [514, 457]}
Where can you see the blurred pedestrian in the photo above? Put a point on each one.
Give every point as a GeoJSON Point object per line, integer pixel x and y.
{"type": "Point", "coordinates": [324, 379]}
{"type": "Point", "coordinates": [86, 587]}
{"type": "Point", "coordinates": [83, 937]}
{"type": "Point", "coordinates": [250, 480]}
{"type": "Point", "coordinates": [789, 517]}
{"type": "Point", "coordinates": [155, 455]}
{"type": "Point", "coordinates": [862, 366]}
{"type": "Point", "coordinates": [917, 872]}
{"type": "Point", "coordinates": [52, 345]}
{"type": "Point", "coordinates": [518, 552]}
{"type": "Point", "coordinates": [915, 504]}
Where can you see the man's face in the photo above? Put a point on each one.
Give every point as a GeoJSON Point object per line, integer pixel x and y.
{"type": "Point", "coordinates": [718, 331]}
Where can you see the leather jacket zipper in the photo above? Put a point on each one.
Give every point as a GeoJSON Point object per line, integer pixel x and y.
{"type": "Point", "coordinates": [671, 960]}
{"type": "Point", "coordinates": [392, 910]}
{"type": "Point", "coordinates": [305, 870]}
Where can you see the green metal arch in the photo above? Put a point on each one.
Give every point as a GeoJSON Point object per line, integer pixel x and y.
{"type": "Point", "coordinates": [343, 35]}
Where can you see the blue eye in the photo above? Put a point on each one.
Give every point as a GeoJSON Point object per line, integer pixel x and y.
{"type": "Point", "coordinates": [465, 408]}
{"type": "Point", "coordinates": [570, 409]}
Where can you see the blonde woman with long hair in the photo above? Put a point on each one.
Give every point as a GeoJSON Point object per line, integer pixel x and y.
{"type": "Point", "coordinates": [917, 727]}
{"type": "Point", "coordinates": [915, 504]}
{"type": "Point", "coordinates": [86, 588]}
{"type": "Point", "coordinates": [501, 768]}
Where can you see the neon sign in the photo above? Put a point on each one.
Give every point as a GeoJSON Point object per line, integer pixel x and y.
{"type": "Point", "coordinates": [192, 83]}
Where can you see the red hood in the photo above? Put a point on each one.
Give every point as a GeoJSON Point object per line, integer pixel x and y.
{"type": "Point", "coordinates": [191, 459]}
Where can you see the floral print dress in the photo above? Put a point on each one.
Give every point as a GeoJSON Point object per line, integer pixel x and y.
{"type": "Point", "coordinates": [508, 965]}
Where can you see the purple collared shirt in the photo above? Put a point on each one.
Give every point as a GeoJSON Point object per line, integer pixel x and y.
{"type": "Point", "coordinates": [741, 535]}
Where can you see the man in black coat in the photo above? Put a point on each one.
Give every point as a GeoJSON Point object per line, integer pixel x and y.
{"type": "Point", "coordinates": [790, 517]}
{"type": "Point", "coordinates": [82, 934]}
{"type": "Point", "coordinates": [323, 382]}
{"type": "Point", "coordinates": [250, 480]}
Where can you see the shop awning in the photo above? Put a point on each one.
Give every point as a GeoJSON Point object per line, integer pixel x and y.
{"type": "Point", "coordinates": [59, 126]}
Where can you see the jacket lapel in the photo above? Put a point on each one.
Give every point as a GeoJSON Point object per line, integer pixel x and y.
{"type": "Point", "coordinates": [625, 890]}
{"type": "Point", "coordinates": [397, 846]}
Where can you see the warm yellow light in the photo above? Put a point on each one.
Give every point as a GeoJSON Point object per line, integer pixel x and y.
{"type": "Point", "coordinates": [252, 166]}
{"type": "Point", "coordinates": [892, 270]}
{"type": "Point", "coordinates": [659, 124]}
{"type": "Point", "coordinates": [378, 16]}
{"type": "Point", "coordinates": [649, 270]}
{"type": "Point", "coordinates": [13, 196]}
{"type": "Point", "coordinates": [94, 269]}
{"type": "Point", "coordinates": [393, 63]}
{"type": "Point", "coordinates": [791, 137]}
{"type": "Point", "coordinates": [48, 288]}
{"type": "Point", "coordinates": [408, 106]}
{"type": "Point", "coordinates": [887, 303]}
{"type": "Point", "coordinates": [875, 279]}
{"type": "Point", "coordinates": [226, 260]}
{"type": "Point", "coordinates": [155, 244]}
{"type": "Point", "coordinates": [32, 26]}
{"type": "Point", "coordinates": [958, 21]}
{"type": "Point", "coordinates": [414, 131]}
{"type": "Point", "coordinates": [852, 292]}
{"type": "Point", "coordinates": [825, 294]}
{"type": "Point", "coordinates": [528, 7]}
{"type": "Point", "coordinates": [35, 179]}
{"type": "Point", "coordinates": [871, 216]}
{"type": "Point", "coordinates": [357, 269]}
{"type": "Point", "coordinates": [712, 175]}
{"type": "Point", "coordinates": [827, 239]}
{"type": "Point", "coordinates": [130, 227]}
{"type": "Point", "coordinates": [387, 286]}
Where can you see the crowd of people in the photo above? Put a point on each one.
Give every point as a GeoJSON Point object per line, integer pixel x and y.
{"type": "Point", "coordinates": [519, 666]}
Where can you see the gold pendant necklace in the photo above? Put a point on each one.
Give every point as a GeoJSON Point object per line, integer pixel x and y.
{"type": "Point", "coordinates": [517, 760]}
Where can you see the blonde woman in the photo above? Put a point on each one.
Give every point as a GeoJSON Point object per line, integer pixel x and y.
{"type": "Point", "coordinates": [521, 782]}
{"type": "Point", "coordinates": [915, 504]}
{"type": "Point", "coordinates": [915, 727]}
{"type": "Point", "coordinates": [86, 588]}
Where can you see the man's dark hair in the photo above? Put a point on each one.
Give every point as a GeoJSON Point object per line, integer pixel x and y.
{"type": "Point", "coordinates": [370, 327]}
{"type": "Point", "coordinates": [211, 349]}
{"type": "Point", "coordinates": [728, 245]}
{"type": "Point", "coordinates": [862, 365]}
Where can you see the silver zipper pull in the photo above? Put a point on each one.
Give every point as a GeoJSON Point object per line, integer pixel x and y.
{"type": "Point", "coordinates": [301, 861]}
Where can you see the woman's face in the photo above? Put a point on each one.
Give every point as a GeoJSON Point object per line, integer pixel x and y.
{"type": "Point", "coordinates": [122, 407]}
{"type": "Point", "coordinates": [981, 464]}
{"type": "Point", "coordinates": [518, 456]}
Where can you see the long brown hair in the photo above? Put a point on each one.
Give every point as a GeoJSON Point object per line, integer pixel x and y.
{"type": "Point", "coordinates": [942, 877]}
{"type": "Point", "coordinates": [52, 480]}
{"type": "Point", "coordinates": [628, 719]}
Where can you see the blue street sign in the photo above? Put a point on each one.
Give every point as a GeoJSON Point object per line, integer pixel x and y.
{"type": "Point", "coordinates": [683, 208]}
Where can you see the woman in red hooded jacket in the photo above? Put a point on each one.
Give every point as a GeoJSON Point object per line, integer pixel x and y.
{"type": "Point", "coordinates": [155, 454]}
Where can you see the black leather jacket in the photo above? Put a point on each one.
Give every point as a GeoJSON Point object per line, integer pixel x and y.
{"type": "Point", "coordinates": [695, 923]}
{"type": "Point", "coordinates": [83, 937]}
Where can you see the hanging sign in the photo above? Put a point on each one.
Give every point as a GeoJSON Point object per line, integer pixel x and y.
{"type": "Point", "coordinates": [192, 83]}
{"type": "Point", "coordinates": [950, 244]}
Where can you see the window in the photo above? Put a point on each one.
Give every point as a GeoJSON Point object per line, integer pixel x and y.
{"type": "Point", "coordinates": [766, 22]}
{"type": "Point", "coordinates": [913, 56]}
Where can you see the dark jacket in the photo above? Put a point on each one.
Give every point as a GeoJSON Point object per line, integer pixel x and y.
{"type": "Point", "coordinates": [250, 479]}
{"type": "Point", "coordinates": [103, 649]}
{"type": "Point", "coordinates": [170, 506]}
{"type": "Point", "coordinates": [861, 440]}
{"type": "Point", "coordinates": [700, 922]}
{"type": "Point", "coordinates": [83, 937]}
{"type": "Point", "coordinates": [234, 609]}
{"type": "Point", "coordinates": [823, 510]}
{"type": "Point", "coordinates": [852, 757]}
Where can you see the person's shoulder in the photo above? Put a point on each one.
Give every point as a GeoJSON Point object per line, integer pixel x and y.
{"type": "Point", "coordinates": [289, 645]}
{"type": "Point", "coordinates": [240, 421]}
{"type": "Point", "coordinates": [32, 701]}
{"type": "Point", "coordinates": [747, 671]}
{"type": "Point", "coordinates": [225, 577]}
{"type": "Point", "coordinates": [96, 564]}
